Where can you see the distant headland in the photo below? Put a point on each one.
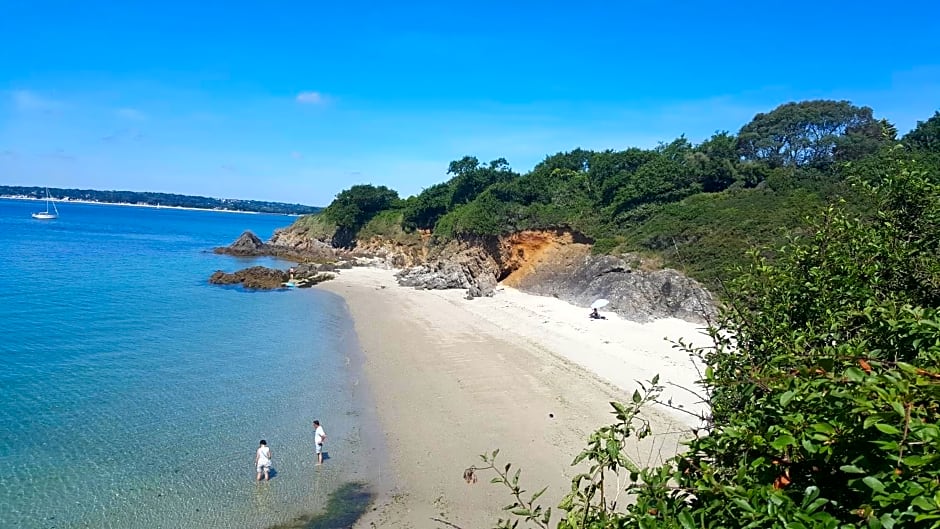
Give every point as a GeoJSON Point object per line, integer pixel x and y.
{"type": "Point", "coordinates": [151, 199]}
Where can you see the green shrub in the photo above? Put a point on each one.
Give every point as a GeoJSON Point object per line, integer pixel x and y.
{"type": "Point", "coordinates": [605, 245]}
{"type": "Point", "coordinates": [823, 384]}
{"type": "Point", "coordinates": [387, 225]}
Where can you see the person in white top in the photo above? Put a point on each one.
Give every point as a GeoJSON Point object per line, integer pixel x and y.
{"type": "Point", "coordinates": [319, 437]}
{"type": "Point", "coordinates": [263, 460]}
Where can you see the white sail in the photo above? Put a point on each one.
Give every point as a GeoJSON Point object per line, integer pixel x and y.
{"type": "Point", "coordinates": [48, 215]}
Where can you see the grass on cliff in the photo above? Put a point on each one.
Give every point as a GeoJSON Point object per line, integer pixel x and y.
{"type": "Point", "coordinates": [387, 225]}
{"type": "Point", "coordinates": [707, 236]}
{"type": "Point", "coordinates": [314, 227]}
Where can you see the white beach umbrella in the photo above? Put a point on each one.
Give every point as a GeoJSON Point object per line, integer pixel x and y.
{"type": "Point", "coordinates": [600, 303]}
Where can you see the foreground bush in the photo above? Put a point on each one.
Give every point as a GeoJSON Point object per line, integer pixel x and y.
{"type": "Point", "coordinates": [823, 384]}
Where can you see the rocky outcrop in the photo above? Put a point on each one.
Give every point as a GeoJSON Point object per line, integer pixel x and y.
{"type": "Point", "coordinates": [462, 265]}
{"type": "Point", "coordinates": [392, 254]}
{"type": "Point", "coordinates": [256, 278]}
{"type": "Point", "coordinates": [288, 241]}
{"type": "Point", "coordinates": [264, 278]}
{"type": "Point", "coordinates": [290, 247]}
{"type": "Point", "coordinates": [560, 264]}
{"type": "Point", "coordinates": [634, 293]}
{"type": "Point", "coordinates": [246, 245]}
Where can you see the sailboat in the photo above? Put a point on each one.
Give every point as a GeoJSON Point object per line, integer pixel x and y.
{"type": "Point", "coordinates": [47, 215]}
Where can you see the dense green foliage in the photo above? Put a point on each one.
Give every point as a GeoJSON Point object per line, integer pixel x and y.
{"type": "Point", "coordinates": [823, 384]}
{"type": "Point", "coordinates": [354, 207]}
{"type": "Point", "coordinates": [158, 199]}
{"type": "Point", "coordinates": [925, 136]}
{"type": "Point", "coordinates": [698, 207]}
{"type": "Point", "coordinates": [468, 180]}
{"type": "Point", "coordinates": [811, 134]}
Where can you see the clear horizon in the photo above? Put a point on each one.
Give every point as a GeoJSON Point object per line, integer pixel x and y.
{"type": "Point", "coordinates": [296, 103]}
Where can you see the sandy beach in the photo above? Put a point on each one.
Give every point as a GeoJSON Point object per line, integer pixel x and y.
{"type": "Point", "coordinates": [530, 375]}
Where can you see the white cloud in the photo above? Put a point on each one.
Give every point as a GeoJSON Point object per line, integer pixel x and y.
{"type": "Point", "coordinates": [131, 113]}
{"type": "Point", "coordinates": [311, 98]}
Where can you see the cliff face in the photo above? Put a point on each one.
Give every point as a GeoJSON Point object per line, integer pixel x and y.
{"type": "Point", "coordinates": [573, 275]}
{"type": "Point", "coordinates": [299, 242]}
{"type": "Point", "coordinates": [560, 264]}
{"type": "Point", "coordinates": [554, 263]}
{"type": "Point", "coordinates": [394, 254]}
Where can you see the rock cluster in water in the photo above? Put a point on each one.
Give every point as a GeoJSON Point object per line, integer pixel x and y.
{"type": "Point", "coordinates": [249, 245]}
{"type": "Point", "coordinates": [264, 278]}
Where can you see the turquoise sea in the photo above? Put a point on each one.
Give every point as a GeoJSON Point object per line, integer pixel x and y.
{"type": "Point", "coordinates": [133, 394]}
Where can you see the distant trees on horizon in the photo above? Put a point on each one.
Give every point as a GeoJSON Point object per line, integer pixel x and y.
{"type": "Point", "coordinates": [159, 199]}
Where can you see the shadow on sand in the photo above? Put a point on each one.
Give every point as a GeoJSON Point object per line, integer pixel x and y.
{"type": "Point", "coordinates": [345, 506]}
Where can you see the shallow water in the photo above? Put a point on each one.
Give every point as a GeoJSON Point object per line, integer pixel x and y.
{"type": "Point", "coordinates": [134, 394]}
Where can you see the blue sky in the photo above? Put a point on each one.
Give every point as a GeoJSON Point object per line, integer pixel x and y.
{"type": "Point", "coordinates": [294, 102]}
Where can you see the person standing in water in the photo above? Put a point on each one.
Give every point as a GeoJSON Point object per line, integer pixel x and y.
{"type": "Point", "coordinates": [319, 437]}
{"type": "Point", "coordinates": [263, 460]}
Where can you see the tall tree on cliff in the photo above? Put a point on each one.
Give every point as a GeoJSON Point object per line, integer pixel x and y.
{"type": "Point", "coordinates": [353, 207]}
{"type": "Point", "coordinates": [808, 133]}
{"type": "Point", "coordinates": [925, 136]}
{"type": "Point", "coordinates": [471, 178]}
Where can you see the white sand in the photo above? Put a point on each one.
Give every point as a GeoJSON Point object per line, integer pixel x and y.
{"type": "Point", "coordinates": [454, 378]}
{"type": "Point", "coordinates": [617, 350]}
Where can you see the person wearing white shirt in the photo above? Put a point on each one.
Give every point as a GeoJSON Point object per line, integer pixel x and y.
{"type": "Point", "coordinates": [263, 460]}
{"type": "Point", "coordinates": [319, 437]}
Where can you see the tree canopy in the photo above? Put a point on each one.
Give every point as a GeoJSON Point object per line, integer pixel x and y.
{"type": "Point", "coordinates": [925, 136]}
{"type": "Point", "coordinates": [353, 207]}
{"type": "Point", "coordinates": [807, 133]}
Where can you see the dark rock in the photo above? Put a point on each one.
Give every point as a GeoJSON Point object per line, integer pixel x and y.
{"type": "Point", "coordinates": [248, 244]}
{"type": "Point", "coordinates": [255, 278]}
{"type": "Point", "coordinates": [470, 268]}
{"type": "Point", "coordinates": [636, 294]}
{"type": "Point", "coordinates": [263, 278]}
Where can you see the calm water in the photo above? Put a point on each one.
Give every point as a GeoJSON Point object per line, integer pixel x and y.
{"type": "Point", "coordinates": [133, 394]}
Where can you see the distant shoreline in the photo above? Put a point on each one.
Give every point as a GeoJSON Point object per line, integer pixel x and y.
{"type": "Point", "coordinates": [98, 203]}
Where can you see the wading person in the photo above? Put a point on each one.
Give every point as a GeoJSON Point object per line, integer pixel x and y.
{"type": "Point", "coordinates": [263, 460]}
{"type": "Point", "coordinates": [319, 437]}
